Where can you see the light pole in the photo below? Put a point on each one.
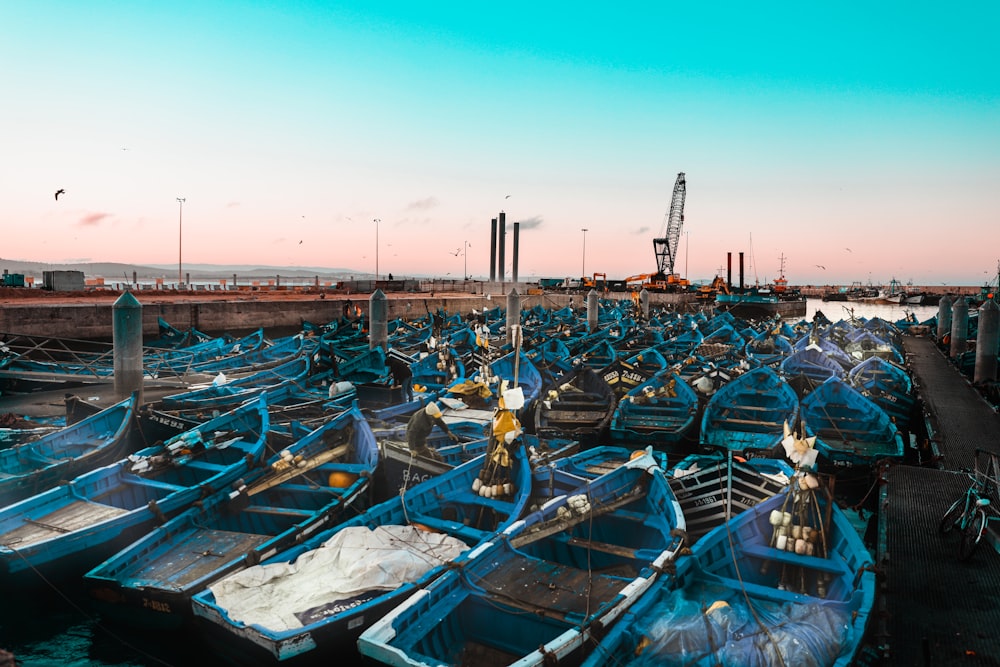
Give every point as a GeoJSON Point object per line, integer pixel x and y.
{"type": "Point", "coordinates": [583, 267]}
{"type": "Point", "coordinates": [180, 232]}
{"type": "Point", "coordinates": [376, 221]}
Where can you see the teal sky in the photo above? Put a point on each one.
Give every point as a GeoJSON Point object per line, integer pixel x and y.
{"type": "Point", "coordinates": [858, 137]}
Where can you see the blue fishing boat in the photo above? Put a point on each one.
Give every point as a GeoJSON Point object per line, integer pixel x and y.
{"type": "Point", "coordinates": [577, 405]}
{"type": "Point", "coordinates": [748, 412]}
{"type": "Point", "coordinates": [809, 367]}
{"type": "Point", "coordinates": [713, 488]}
{"type": "Point", "coordinates": [752, 594]}
{"type": "Point", "coordinates": [303, 489]}
{"type": "Point", "coordinates": [562, 472]}
{"type": "Point", "coordinates": [311, 602]}
{"type": "Point", "coordinates": [539, 592]}
{"type": "Point", "coordinates": [32, 467]}
{"type": "Point", "coordinates": [70, 528]}
{"type": "Point", "coordinates": [233, 392]}
{"type": "Point", "coordinates": [660, 411]}
{"type": "Point", "coordinates": [850, 429]}
{"type": "Point", "coordinates": [888, 385]}
{"type": "Point", "coordinates": [768, 348]}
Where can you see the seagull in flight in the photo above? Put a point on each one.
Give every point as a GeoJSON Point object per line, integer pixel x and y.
{"type": "Point", "coordinates": [507, 197]}
{"type": "Point", "coordinates": [60, 191]}
{"type": "Point", "coordinates": [456, 253]}
{"type": "Point", "coordinates": [848, 250]}
{"type": "Point", "coordinates": [821, 267]}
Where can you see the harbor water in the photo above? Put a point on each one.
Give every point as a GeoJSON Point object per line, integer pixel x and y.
{"type": "Point", "coordinates": [59, 626]}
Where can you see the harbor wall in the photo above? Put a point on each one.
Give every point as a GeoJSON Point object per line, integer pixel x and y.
{"type": "Point", "coordinates": [93, 321]}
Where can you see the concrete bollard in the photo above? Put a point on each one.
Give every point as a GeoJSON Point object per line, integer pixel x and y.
{"type": "Point", "coordinates": [959, 327]}
{"type": "Point", "coordinates": [378, 321]}
{"type": "Point", "coordinates": [987, 343]}
{"type": "Point", "coordinates": [592, 311]}
{"type": "Point", "coordinates": [513, 314]}
{"type": "Point", "coordinates": [126, 329]}
{"type": "Point", "coordinates": [943, 318]}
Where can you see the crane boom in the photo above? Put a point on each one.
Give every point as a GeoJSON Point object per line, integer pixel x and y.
{"type": "Point", "coordinates": [665, 247]}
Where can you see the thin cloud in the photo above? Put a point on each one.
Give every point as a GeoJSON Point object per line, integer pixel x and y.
{"type": "Point", "coordinates": [92, 219]}
{"type": "Point", "coordinates": [423, 204]}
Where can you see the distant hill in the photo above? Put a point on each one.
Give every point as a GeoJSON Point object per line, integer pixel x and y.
{"type": "Point", "coordinates": [114, 271]}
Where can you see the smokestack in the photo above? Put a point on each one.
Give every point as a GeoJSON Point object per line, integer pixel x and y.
{"type": "Point", "coordinates": [493, 250]}
{"type": "Point", "coordinates": [729, 270]}
{"type": "Point", "coordinates": [517, 232]}
{"type": "Point", "coordinates": [741, 271]}
{"type": "Point", "coordinates": [502, 241]}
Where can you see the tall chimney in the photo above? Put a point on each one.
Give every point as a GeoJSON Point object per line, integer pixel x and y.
{"type": "Point", "coordinates": [517, 232]}
{"type": "Point", "coordinates": [729, 270]}
{"type": "Point", "coordinates": [741, 271]}
{"type": "Point", "coordinates": [502, 241]}
{"type": "Point", "coordinates": [493, 250]}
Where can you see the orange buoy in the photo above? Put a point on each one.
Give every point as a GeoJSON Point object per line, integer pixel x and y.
{"type": "Point", "coordinates": [426, 529]}
{"type": "Point", "coordinates": [339, 479]}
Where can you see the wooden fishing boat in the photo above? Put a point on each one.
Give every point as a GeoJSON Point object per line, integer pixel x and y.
{"type": "Point", "coordinates": [40, 464]}
{"type": "Point", "coordinates": [747, 413]}
{"type": "Point", "coordinates": [68, 529]}
{"type": "Point", "coordinates": [311, 602]}
{"type": "Point", "coordinates": [562, 472]}
{"type": "Point", "coordinates": [807, 368]}
{"type": "Point", "coordinates": [539, 592]}
{"type": "Point", "coordinates": [578, 405]}
{"type": "Point", "coordinates": [850, 429]}
{"type": "Point", "coordinates": [744, 597]}
{"type": "Point", "coordinates": [767, 348]}
{"type": "Point", "coordinates": [661, 411]}
{"type": "Point", "coordinates": [302, 490]}
{"type": "Point", "coordinates": [713, 488]}
{"type": "Point", "coordinates": [231, 392]}
{"type": "Point", "coordinates": [888, 385]}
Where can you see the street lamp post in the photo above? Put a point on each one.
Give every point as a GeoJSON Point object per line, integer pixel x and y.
{"type": "Point", "coordinates": [376, 221]}
{"type": "Point", "coordinates": [583, 267]}
{"type": "Point", "coordinates": [180, 232]}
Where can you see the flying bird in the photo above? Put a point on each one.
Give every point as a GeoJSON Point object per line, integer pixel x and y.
{"type": "Point", "coordinates": [820, 266]}
{"type": "Point", "coordinates": [60, 191]}
{"type": "Point", "coordinates": [848, 250]}
{"type": "Point", "coordinates": [507, 197]}
{"type": "Point", "coordinates": [456, 253]}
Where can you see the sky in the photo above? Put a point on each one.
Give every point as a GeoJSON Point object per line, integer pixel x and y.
{"type": "Point", "coordinates": [843, 142]}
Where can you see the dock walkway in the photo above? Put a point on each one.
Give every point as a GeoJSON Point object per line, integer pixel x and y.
{"type": "Point", "coordinates": [938, 610]}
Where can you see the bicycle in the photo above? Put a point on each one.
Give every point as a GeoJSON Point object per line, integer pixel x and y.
{"type": "Point", "coordinates": [972, 511]}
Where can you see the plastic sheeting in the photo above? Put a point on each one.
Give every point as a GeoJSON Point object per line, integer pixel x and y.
{"type": "Point", "coordinates": [711, 626]}
{"type": "Point", "coordinates": [354, 561]}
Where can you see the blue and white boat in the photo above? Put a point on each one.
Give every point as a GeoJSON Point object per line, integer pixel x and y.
{"type": "Point", "coordinates": [748, 412]}
{"type": "Point", "coordinates": [302, 490]}
{"type": "Point", "coordinates": [32, 467]}
{"type": "Point", "coordinates": [661, 411]}
{"type": "Point", "coordinates": [542, 590]}
{"type": "Point", "coordinates": [751, 593]}
{"type": "Point", "coordinates": [850, 429]}
{"type": "Point", "coordinates": [70, 528]}
{"type": "Point", "coordinates": [311, 602]}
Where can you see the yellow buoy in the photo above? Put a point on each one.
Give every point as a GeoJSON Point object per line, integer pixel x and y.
{"type": "Point", "coordinates": [341, 480]}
